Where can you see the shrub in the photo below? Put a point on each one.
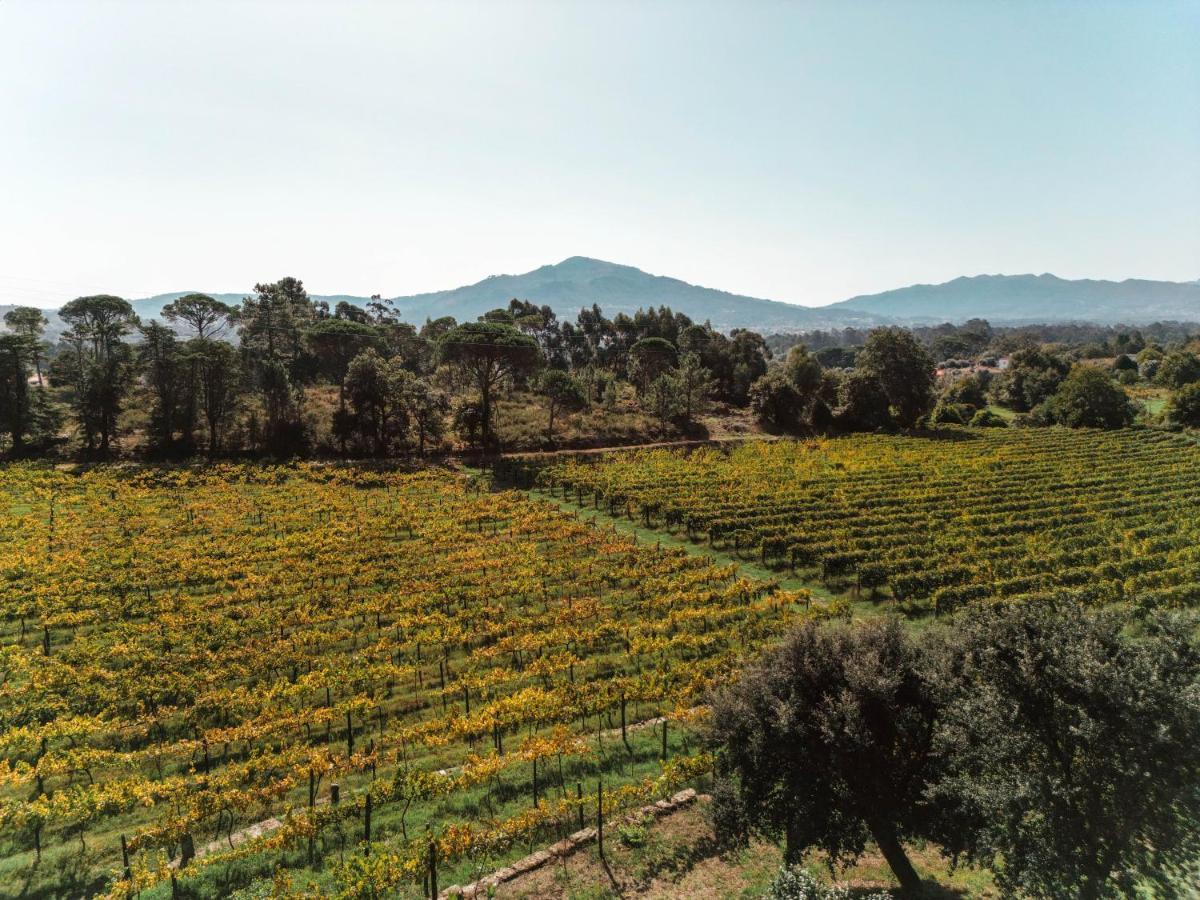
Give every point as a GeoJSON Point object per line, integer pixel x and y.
{"type": "Point", "coordinates": [793, 883]}
{"type": "Point", "coordinates": [985, 418]}
{"type": "Point", "coordinates": [950, 414]}
{"type": "Point", "coordinates": [1178, 368]}
{"type": "Point", "coordinates": [1184, 408]}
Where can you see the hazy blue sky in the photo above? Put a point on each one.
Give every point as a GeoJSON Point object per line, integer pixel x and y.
{"type": "Point", "coordinates": [798, 151]}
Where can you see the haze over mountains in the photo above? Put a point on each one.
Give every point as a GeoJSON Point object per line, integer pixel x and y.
{"type": "Point", "coordinates": [1001, 299]}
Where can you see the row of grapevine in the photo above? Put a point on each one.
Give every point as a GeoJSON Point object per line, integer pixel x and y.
{"type": "Point", "coordinates": [188, 652]}
{"type": "Point", "coordinates": [1012, 513]}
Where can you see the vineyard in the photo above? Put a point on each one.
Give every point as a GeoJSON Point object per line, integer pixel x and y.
{"type": "Point", "coordinates": [348, 680]}
{"type": "Point", "coordinates": [929, 522]}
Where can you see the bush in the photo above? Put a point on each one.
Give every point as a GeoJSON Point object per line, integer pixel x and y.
{"type": "Point", "coordinates": [1178, 368]}
{"type": "Point", "coordinates": [1184, 408]}
{"type": "Point", "coordinates": [950, 414]}
{"type": "Point", "coordinates": [793, 883]}
{"type": "Point", "coordinates": [632, 834]}
{"type": "Point", "coordinates": [776, 402]}
{"type": "Point", "coordinates": [985, 418]}
{"type": "Point", "coordinates": [1089, 398]}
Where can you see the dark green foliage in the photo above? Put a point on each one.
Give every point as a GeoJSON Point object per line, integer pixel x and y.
{"type": "Point", "coordinates": [563, 392]}
{"type": "Point", "coordinates": [97, 365]}
{"type": "Point", "coordinates": [1177, 369]}
{"type": "Point", "coordinates": [15, 403]}
{"type": "Point", "coordinates": [1072, 747]}
{"type": "Point", "coordinates": [271, 329]}
{"type": "Point", "coordinates": [903, 369]}
{"type": "Point", "coordinates": [171, 380]}
{"type": "Point", "coordinates": [950, 414]}
{"type": "Point", "coordinates": [1032, 376]}
{"type": "Point", "coordinates": [650, 358]}
{"type": "Point", "coordinates": [486, 354]}
{"type": "Point", "coordinates": [1125, 363]}
{"type": "Point", "coordinates": [334, 342]}
{"type": "Point", "coordinates": [1184, 408]}
{"type": "Point", "coordinates": [785, 398]}
{"type": "Point", "coordinates": [1089, 398]}
{"type": "Point", "coordinates": [29, 323]}
{"type": "Point", "coordinates": [776, 401]}
{"type": "Point", "coordinates": [207, 317]}
{"type": "Point", "coordinates": [219, 383]}
{"type": "Point", "coordinates": [826, 743]}
{"type": "Point", "coordinates": [969, 390]}
{"type": "Point", "coordinates": [862, 403]}
{"type": "Point", "coordinates": [985, 418]}
{"type": "Point", "coordinates": [1051, 742]}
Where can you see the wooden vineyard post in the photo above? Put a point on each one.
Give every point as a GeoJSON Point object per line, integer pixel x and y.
{"type": "Point", "coordinates": [600, 817]}
{"type": "Point", "coordinates": [433, 885]}
{"type": "Point", "coordinates": [664, 746]}
{"type": "Point", "coordinates": [367, 826]}
{"type": "Point", "coordinates": [187, 850]}
{"type": "Point", "coordinates": [624, 736]}
{"type": "Point", "coordinates": [125, 859]}
{"type": "Point", "coordinates": [579, 802]}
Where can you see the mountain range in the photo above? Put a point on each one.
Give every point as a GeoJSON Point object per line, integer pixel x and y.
{"type": "Point", "coordinates": [580, 281]}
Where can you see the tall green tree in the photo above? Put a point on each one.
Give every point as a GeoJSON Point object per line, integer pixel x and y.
{"type": "Point", "coordinates": [368, 389]}
{"type": "Point", "coordinates": [862, 403]}
{"type": "Point", "coordinates": [1033, 375]}
{"type": "Point", "coordinates": [1072, 744]}
{"type": "Point", "coordinates": [826, 743]}
{"type": "Point", "coordinates": [219, 385]}
{"type": "Point", "coordinates": [486, 354]}
{"type": "Point", "coordinates": [786, 397]}
{"type": "Point", "coordinates": [426, 409]}
{"type": "Point", "coordinates": [1178, 368]}
{"type": "Point", "coordinates": [695, 383]}
{"type": "Point", "coordinates": [15, 401]}
{"type": "Point", "coordinates": [168, 375]}
{"type": "Point", "coordinates": [30, 323]}
{"type": "Point", "coordinates": [903, 368]}
{"type": "Point", "coordinates": [562, 392]}
{"type": "Point", "coordinates": [335, 342]}
{"type": "Point", "coordinates": [207, 317]}
{"type": "Point", "coordinates": [650, 358]}
{"type": "Point", "coordinates": [1184, 407]}
{"type": "Point", "coordinates": [97, 364]}
{"type": "Point", "coordinates": [1089, 398]}
{"type": "Point", "coordinates": [272, 325]}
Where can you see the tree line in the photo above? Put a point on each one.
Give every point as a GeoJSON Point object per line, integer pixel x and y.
{"type": "Point", "coordinates": [281, 375]}
{"type": "Point", "coordinates": [285, 376]}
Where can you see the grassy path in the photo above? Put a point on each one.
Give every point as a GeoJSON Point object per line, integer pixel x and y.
{"type": "Point", "coordinates": [624, 525]}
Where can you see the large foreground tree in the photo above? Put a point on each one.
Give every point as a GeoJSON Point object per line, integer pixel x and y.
{"type": "Point", "coordinates": [1072, 746]}
{"type": "Point", "coordinates": [827, 743]}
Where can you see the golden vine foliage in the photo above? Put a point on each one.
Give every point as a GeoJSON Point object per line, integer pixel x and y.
{"type": "Point", "coordinates": [190, 651]}
{"type": "Point", "coordinates": [966, 515]}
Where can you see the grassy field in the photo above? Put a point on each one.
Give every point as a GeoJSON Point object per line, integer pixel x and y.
{"type": "Point", "coordinates": [676, 857]}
